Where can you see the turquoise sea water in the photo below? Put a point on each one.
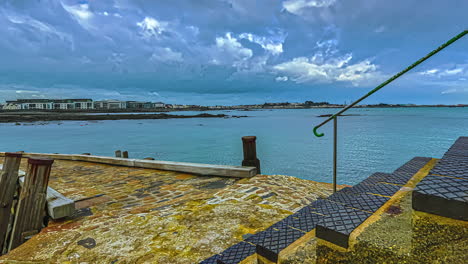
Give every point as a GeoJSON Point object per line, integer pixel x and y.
{"type": "Point", "coordinates": [379, 139]}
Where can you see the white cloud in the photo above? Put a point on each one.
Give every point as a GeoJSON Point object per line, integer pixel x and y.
{"type": "Point", "coordinates": [268, 44]}
{"type": "Point", "coordinates": [166, 55]}
{"type": "Point", "coordinates": [151, 27]}
{"type": "Point", "coordinates": [452, 72]}
{"type": "Point", "coordinates": [229, 49]}
{"type": "Point", "coordinates": [297, 6]}
{"type": "Point", "coordinates": [321, 70]}
{"type": "Point", "coordinates": [281, 78]}
{"type": "Point", "coordinates": [455, 91]}
{"type": "Point", "coordinates": [447, 71]}
{"type": "Point", "coordinates": [80, 12]}
{"type": "Point", "coordinates": [38, 26]}
{"type": "Point", "coordinates": [429, 72]}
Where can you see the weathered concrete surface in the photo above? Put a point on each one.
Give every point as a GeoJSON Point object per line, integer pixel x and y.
{"type": "Point", "coordinates": [135, 215]}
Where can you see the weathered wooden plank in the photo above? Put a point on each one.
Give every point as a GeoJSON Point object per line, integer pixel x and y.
{"type": "Point", "coordinates": [58, 206]}
{"type": "Point", "coordinates": [8, 187]}
{"type": "Point", "coordinates": [32, 202]}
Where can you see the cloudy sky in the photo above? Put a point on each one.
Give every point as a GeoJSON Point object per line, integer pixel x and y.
{"type": "Point", "coordinates": [232, 51]}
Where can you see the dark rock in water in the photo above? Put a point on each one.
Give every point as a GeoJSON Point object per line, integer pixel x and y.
{"type": "Point", "coordinates": [17, 124]}
{"type": "Point", "coordinates": [328, 115]}
{"type": "Point", "coordinates": [34, 117]}
{"type": "Point", "coordinates": [148, 158]}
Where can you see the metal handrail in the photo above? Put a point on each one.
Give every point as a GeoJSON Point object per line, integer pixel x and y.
{"type": "Point", "coordinates": [380, 86]}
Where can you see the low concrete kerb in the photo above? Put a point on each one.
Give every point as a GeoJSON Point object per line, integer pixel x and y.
{"type": "Point", "coordinates": [186, 167]}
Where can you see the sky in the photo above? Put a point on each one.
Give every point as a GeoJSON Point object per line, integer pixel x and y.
{"type": "Point", "coordinates": [231, 52]}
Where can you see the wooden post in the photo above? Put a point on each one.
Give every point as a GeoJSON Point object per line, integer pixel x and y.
{"type": "Point", "coordinates": [250, 152]}
{"type": "Point", "coordinates": [8, 187]}
{"type": "Point", "coordinates": [32, 202]}
{"type": "Point", "coordinates": [118, 154]}
{"type": "Point", "coordinates": [125, 154]}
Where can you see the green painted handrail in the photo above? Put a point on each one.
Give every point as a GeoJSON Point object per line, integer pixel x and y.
{"type": "Point", "coordinates": [457, 37]}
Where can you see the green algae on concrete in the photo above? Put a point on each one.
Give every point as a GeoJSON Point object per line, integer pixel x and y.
{"type": "Point", "coordinates": [134, 215]}
{"type": "Point", "coordinates": [438, 239]}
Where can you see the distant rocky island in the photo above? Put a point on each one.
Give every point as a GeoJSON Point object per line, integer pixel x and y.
{"type": "Point", "coordinates": [34, 117]}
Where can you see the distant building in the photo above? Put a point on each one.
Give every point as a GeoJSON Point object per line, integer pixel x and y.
{"type": "Point", "coordinates": [110, 104]}
{"type": "Point", "coordinates": [11, 106]}
{"type": "Point", "coordinates": [174, 106]}
{"type": "Point", "coordinates": [159, 105]}
{"type": "Point", "coordinates": [139, 105]}
{"type": "Point", "coordinates": [70, 104]}
{"type": "Point", "coordinates": [50, 104]}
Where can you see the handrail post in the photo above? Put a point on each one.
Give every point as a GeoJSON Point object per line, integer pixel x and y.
{"type": "Point", "coordinates": [335, 144]}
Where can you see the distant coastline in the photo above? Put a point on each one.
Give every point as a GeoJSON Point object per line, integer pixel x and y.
{"type": "Point", "coordinates": [265, 106]}
{"type": "Point", "coordinates": [35, 117]}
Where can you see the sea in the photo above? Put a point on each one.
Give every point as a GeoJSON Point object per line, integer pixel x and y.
{"type": "Point", "coordinates": [370, 140]}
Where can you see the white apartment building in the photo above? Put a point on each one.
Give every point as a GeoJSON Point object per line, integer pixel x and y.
{"type": "Point", "coordinates": [110, 104]}
{"type": "Point", "coordinates": [50, 104]}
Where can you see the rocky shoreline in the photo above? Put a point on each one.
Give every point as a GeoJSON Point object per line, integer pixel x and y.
{"type": "Point", "coordinates": [15, 118]}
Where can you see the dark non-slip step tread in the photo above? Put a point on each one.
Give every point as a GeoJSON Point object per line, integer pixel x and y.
{"type": "Point", "coordinates": [278, 240]}
{"type": "Point", "coordinates": [445, 190]}
{"type": "Point", "coordinates": [236, 253]}
{"type": "Point", "coordinates": [374, 189]}
{"type": "Point", "coordinates": [398, 177]}
{"type": "Point", "coordinates": [323, 206]}
{"type": "Point", "coordinates": [452, 166]}
{"type": "Point", "coordinates": [365, 202]}
{"type": "Point", "coordinates": [337, 226]}
{"type": "Point", "coordinates": [445, 187]}
{"type": "Point", "coordinates": [412, 166]}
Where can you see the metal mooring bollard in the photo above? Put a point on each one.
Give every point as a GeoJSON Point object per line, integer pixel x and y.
{"type": "Point", "coordinates": [118, 154]}
{"type": "Point", "coordinates": [250, 152]}
{"type": "Point", "coordinates": [125, 154]}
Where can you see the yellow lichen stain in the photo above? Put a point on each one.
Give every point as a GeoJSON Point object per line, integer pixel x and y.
{"type": "Point", "coordinates": [184, 176]}
{"type": "Point", "coordinates": [242, 230]}
{"type": "Point", "coordinates": [182, 229]}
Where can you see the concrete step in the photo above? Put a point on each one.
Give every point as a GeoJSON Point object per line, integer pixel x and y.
{"type": "Point", "coordinates": [332, 220]}
{"type": "Point", "coordinates": [445, 191]}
